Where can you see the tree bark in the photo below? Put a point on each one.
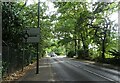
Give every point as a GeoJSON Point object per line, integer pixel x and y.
{"type": "Point", "coordinates": [85, 47]}
{"type": "Point", "coordinates": [103, 45]}
{"type": "Point", "coordinates": [78, 44]}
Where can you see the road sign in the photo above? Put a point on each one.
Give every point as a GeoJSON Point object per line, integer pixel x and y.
{"type": "Point", "coordinates": [33, 31]}
{"type": "Point", "coordinates": [33, 39]}
{"type": "Point", "coordinates": [31, 35]}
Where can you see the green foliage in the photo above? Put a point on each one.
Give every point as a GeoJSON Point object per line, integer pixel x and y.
{"type": "Point", "coordinates": [80, 54]}
{"type": "Point", "coordinates": [11, 23]}
{"type": "Point", "coordinates": [65, 41]}
{"type": "Point", "coordinates": [71, 54]}
{"type": "Point", "coordinates": [75, 26]}
{"type": "Point", "coordinates": [81, 24]}
{"type": "Point", "coordinates": [16, 17]}
{"type": "Point", "coordinates": [115, 53]}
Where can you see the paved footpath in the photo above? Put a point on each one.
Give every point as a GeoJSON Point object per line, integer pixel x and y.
{"type": "Point", "coordinates": [45, 72]}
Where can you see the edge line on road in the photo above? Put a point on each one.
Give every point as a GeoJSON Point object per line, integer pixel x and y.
{"type": "Point", "coordinates": [93, 73]}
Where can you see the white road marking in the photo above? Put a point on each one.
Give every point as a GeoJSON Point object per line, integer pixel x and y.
{"type": "Point", "coordinates": [98, 75]}
{"type": "Point", "coordinates": [109, 79]}
{"type": "Point", "coordinates": [51, 74]}
{"type": "Point", "coordinates": [92, 72]}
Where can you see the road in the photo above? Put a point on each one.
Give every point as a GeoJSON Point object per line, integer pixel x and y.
{"type": "Point", "coordinates": [64, 69]}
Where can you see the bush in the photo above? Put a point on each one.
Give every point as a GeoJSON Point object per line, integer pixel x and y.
{"type": "Point", "coordinates": [80, 54]}
{"type": "Point", "coordinates": [71, 54]}
{"type": "Point", "coordinates": [115, 53]}
{"type": "Point", "coordinates": [57, 53]}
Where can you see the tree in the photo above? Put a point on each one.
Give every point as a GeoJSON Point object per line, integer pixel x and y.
{"type": "Point", "coordinates": [16, 17]}
{"type": "Point", "coordinates": [86, 25]}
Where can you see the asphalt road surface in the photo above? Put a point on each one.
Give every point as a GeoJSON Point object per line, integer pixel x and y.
{"type": "Point", "coordinates": [64, 69]}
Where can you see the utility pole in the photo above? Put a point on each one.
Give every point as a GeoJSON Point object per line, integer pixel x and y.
{"type": "Point", "coordinates": [37, 66]}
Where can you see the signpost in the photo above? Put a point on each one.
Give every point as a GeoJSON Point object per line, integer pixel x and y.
{"type": "Point", "coordinates": [31, 35]}
{"type": "Point", "coordinates": [37, 69]}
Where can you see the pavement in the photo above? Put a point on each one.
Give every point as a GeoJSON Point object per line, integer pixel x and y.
{"type": "Point", "coordinates": [44, 72]}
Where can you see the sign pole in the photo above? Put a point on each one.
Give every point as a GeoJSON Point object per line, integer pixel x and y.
{"type": "Point", "coordinates": [37, 68]}
{"type": "Point", "coordinates": [23, 57]}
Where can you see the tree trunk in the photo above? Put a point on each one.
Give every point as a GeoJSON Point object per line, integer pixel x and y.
{"type": "Point", "coordinates": [103, 45]}
{"type": "Point", "coordinates": [85, 47]}
{"type": "Point", "coordinates": [78, 44]}
{"type": "Point", "coordinates": [75, 47]}
{"type": "Point", "coordinates": [103, 49]}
